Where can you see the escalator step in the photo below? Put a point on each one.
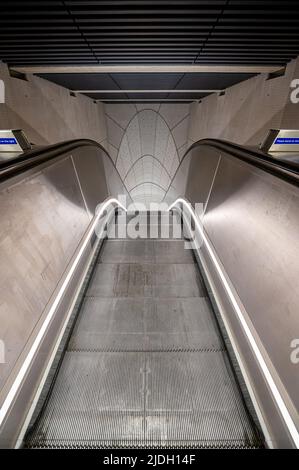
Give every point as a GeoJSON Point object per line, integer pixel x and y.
{"type": "Point", "coordinates": [129, 399]}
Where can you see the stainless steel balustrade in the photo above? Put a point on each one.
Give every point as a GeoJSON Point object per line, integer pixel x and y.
{"type": "Point", "coordinates": [45, 213]}
{"type": "Point", "coordinates": [251, 219]}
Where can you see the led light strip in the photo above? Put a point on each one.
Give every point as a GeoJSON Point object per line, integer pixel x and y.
{"type": "Point", "coordinates": [271, 383]}
{"type": "Point", "coordinates": [26, 364]}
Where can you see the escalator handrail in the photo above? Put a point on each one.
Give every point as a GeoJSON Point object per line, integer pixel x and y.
{"type": "Point", "coordinates": [43, 154]}
{"type": "Point", "coordinates": [286, 170]}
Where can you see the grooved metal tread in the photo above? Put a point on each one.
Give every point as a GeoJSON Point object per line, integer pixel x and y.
{"type": "Point", "coordinates": [145, 365]}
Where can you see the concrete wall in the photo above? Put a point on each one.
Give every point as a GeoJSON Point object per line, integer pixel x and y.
{"type": "Point", "coordinates": [47, 112]}
{"type": "Point", "coordinates": [247, 110]}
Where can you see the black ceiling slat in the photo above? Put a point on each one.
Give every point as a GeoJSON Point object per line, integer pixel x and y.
{"type": "Point", "coordinates": [119, 13]}
{"type": "Point", "coordinates": [217, 34]}
{"type": "Point", "coordinates": [19, 40]}
{"type": "Point", "coordinates": [265, 49]}
{"type": "Point", "coordinates": [165, 42]}
{"type": "Point", "coordinates": [169, 46]}
{"type": "Point", "coordinates": [88, 32]}
{"type": "Point", "coordinates": [149, 52]}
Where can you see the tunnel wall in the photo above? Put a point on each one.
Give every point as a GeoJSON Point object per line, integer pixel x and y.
{"type": "Point", "coordinates": [247, 110]}
{"type": "Point", "coordinates": [146, 142]}
{"type": "Point", "coordinates": [47, 112]}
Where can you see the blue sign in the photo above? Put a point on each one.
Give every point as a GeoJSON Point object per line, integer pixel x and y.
{"type": "Point", "coordinates": [287, 140]}
{"type": "Point", "coordinates": [8, 141]}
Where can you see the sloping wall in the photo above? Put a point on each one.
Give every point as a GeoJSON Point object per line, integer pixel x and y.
{"type": "Point", "coordinates": [47, 112]}
{"type": "Point", "coordinates": [147, 142]}
{"type": "Point", "coordinates": [247, 110]}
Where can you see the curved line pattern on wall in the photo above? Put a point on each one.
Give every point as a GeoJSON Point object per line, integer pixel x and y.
{"type": "Point", "coordinates": [147, 165]}
{"type": "Point", "coordinates": [146, 145]}
{"type": "Point", "coordinates": [147, 182]}
{"type": "Point", "coordinates": [143, 156]}
{"type": "Point", "coordinates": [147, 193]}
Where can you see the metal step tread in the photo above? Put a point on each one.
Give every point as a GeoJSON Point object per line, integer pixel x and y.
{"type": "Point", "coordinates": [138, 324]}
{"type": "Point", "coordinates": [128, 399]}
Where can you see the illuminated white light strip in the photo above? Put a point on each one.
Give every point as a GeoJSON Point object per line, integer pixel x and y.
{"type": "Point", "coordinates": [25, 366]}
{"type": "Point", "coordinates": [271, 383]}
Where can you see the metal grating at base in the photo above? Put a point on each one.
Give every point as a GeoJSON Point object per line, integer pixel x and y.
{"type": "Point", "coordinates": [145, 366]}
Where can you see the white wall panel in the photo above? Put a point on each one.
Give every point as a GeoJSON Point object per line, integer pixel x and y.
{"type": "Point", "coordinates": [148, 152]}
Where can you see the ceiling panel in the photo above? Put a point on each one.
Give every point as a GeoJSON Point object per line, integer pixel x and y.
{"type": "Point", "coordinates": [123, 31]}
{"type": "Point", "coordinates": [86, 81]}
{"type": "Point", "coordinates": [143, 32]}
{"type": "Point", "coordinates": [197, 81]}
{"type": "Point", "coordinates": [188, 84]}
{"type": "Point", "coordinates": [147, 81]}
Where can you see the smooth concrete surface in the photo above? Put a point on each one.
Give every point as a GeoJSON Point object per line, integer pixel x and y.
{"type": "Point", "coordinates": [35, 252]}
{"type": "Point", "coordinates": [247, 110]}
{"type": "Point", "coordinates": [146, 365]}
{"type": "Point", "coordinates": [48, 113]}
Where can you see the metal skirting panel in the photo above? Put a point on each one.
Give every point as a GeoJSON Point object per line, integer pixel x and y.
{"type": "Point", "coordinates": [145, 365]}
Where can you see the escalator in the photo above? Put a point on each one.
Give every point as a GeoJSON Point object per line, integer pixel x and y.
{"type": "Point", "coordinates": [145, 364]}
{"type": "Point", "coordinates": [139, 342]}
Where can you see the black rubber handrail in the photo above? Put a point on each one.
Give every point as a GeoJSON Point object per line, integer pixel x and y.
{"type": "Point", "coordinates": [32, 158]}
{"type": "Point", "coordinates": [283, 169]}
{"type": "Point", "coordinates": [37, 156]}
{"type": "Point", "coordinates": [286, 170]}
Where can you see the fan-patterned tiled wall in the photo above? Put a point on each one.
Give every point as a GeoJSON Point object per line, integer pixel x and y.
{"type": "Point", "coordinates": [147, 143]}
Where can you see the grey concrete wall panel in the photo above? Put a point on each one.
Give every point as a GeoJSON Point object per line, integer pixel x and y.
{"type": "Point", "coordinates": [247, 110]}
{"type": "Point", "coordinates": [48, 113]}
{"type": "Point", "coordinates": [36, 245]}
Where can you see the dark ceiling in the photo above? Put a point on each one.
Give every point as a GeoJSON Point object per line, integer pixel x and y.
{"type": "Point", "coordinates": [141, 32]}
{"type": "Point", "coordinates": [146, 81]}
